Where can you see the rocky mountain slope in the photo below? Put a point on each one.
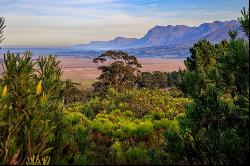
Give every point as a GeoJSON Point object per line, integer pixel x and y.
{"type": "Point", "coordinates": [171, 36]}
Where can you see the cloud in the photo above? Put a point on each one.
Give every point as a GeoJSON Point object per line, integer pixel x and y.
{"type": "Point", "coordinates": [69, 22]}
{"type": "Point", "coordinates": [7, 2]}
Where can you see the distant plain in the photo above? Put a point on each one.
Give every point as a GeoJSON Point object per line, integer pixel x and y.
{"type": "Point", "coordinates": [82, 70]}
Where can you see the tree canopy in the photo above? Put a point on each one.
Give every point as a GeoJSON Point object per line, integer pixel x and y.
{"type": "Point", "coordinates": [121, 70]}
{"type": "Point", "coordinates": [217, 119]}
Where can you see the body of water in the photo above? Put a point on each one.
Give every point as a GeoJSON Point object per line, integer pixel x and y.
{"type": "Point", "coordinates": [173, 53]}
{"type": "Point", "coordinates": [52, 51]}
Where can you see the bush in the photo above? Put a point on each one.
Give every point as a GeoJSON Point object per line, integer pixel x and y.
{"type": "Point", "coordinates": [30, 106]}
{"type": "Point", "coordinates": [215, 127]}
{"type": "Point", "coordinates": [116, 125]}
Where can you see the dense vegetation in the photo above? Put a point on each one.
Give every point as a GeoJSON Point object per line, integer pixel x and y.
{"type": "Point", "coordinates": [195, 116]}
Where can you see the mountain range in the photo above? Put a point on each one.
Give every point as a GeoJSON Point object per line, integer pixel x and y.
{"type": "Point", "coordinates": [160, 41]}
{"type": "Point", "coordinates": [170, 36]}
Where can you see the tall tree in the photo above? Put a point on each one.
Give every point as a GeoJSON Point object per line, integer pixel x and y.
{"type": "Point", "coordinates": [121, 70]}
{"type": "Point", "coordinates": [204, 55]}
{"type": "Point", "coordinates": [216, 125]}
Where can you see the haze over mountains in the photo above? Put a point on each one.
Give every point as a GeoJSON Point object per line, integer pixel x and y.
{"type": "Point", "coordinates": [171, 36]}
{"type": "Point", "coordinates": [160, 41]}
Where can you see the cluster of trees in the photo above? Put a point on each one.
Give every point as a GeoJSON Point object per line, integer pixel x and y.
{"type": "Point", "coordinates": [217, 119]}
{"type": "Point", "coordinates": [199, 115]}
{"type": "Point", "coordinates": [123, 71]}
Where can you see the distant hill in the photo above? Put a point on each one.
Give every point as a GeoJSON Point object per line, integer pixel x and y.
{"type": "Point", "coordinates": [118, 42]}
{"type": "Point", "coordinates": [171, 36]}
{"type": "Point", "coordinates": [160, 41]}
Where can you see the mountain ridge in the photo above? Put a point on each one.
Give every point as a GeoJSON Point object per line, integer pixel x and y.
{"type": "Point", "coordinates": [171, 36]}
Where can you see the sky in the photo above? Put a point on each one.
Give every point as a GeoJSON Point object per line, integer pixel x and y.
{"type": "Point", "coordinates": [60, 23]}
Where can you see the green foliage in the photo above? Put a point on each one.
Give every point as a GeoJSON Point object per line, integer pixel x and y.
{"type": "Point", "coordinates": [44, 120]}
{"type": "Point", "coordinates": [174, 78]}
{"type": "Point", "coordinates": [244, 20]}
{"type": "Point", "coordinates": [74, 93]}
{"type": "Point", "coordinates": [120, 72]}
{"type": "Point", "coordinates": [117, 153]}
{"type": "Point", "coordinates": [140, 102]}
{"type": "Point", "coordinates": [204, 55]}
{"type": "Point", "coordinates": [231, 66]}
{"type": "Point", "coordinates": [30, 105]}
{"type": "Point", "coordinates": [155, 79]}
{"type": "Point", "coordinates": [115, 131]}
{"type": "Point", "coordinates": [137, 155]}
{"type": "Point", "coordinates": [36, 160]}
{"type": "Point", "coordinates": [71, 137]}
{"type": "Point", "coordinates": [214, 129]}
{"type": "Point", "coordinates": [173, 81]}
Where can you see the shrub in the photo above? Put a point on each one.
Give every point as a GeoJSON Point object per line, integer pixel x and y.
{"type": "Point", "coordinates": [137, 155]}
{"type": "Point", "coordinates": [30, 106]}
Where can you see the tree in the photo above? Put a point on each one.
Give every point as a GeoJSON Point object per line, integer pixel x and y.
{"type": "Point", "coordinates": [244, 20]}
{"type": "Point", "coordinates": [121, 70]}
{"type": "Point", "coordinates": [204, 55]}
{"type": "Point", "coordinates": [215, 129]}
{"type": "Point", "coordinates": [155, 79]}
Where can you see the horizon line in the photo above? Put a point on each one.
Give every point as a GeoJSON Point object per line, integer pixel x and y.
{"type": "Point", "coordinates": [69, 46]}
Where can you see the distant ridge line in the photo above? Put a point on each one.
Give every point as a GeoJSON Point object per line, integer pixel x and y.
{"type": "Point", "coordinates": [171, 35]}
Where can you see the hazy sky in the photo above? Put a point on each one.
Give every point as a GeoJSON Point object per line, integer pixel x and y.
{"type": "Point", "coordinates": [68, 22]}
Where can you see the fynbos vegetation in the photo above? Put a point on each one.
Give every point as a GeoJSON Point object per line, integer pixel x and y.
{"type": "Point", "coordinates": [195, 116]}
